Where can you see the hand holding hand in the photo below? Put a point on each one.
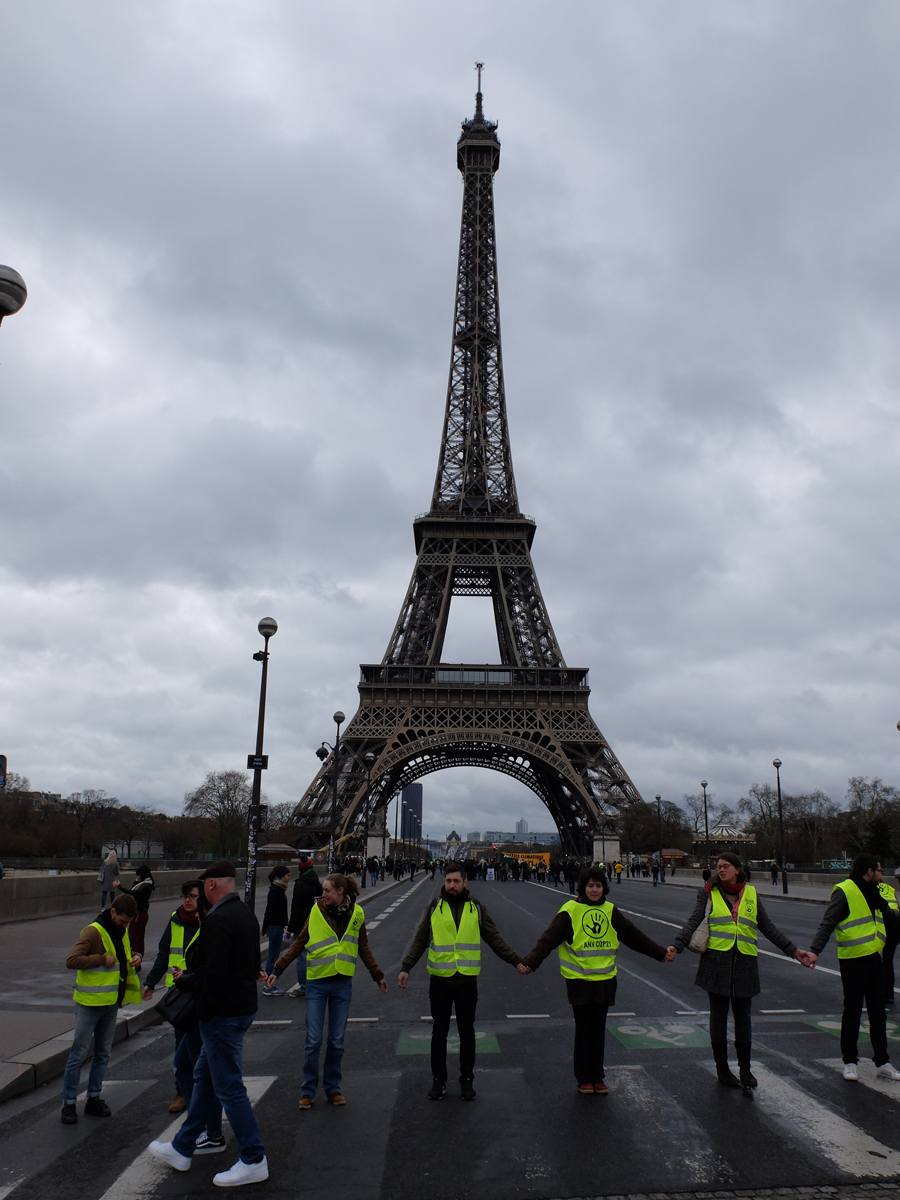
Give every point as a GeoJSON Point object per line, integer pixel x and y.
{"type": "Point", "coordinates": [147, 993]}
{"type": "Point", "coordinates": [382, 986]}
{"type": "Point", "coordinates": [671, 954]}
{"type": "Point", "coordinates": [806, 958]}
{"type": "Point", "coordinates": [402, 978]}
{"type": "Point", "coordinates": [115, 883]}
{"type": "Point", "coordinates": [523, 970]}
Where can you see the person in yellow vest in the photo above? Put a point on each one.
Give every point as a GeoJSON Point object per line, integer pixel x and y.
{"type": "Point", "coordinates": [890, 941]}
{"type": "Point", "coordinates": [334, 937]}
{"type": "Point", "coordinates": [618, 870]}
{"type": "Point", "coordinates": [181, 929]}
{"type": "Point", "coordinates": [452, 929]}
{"type": "Point", "coordinates": [587, 932]}
{"type": "Point", "coordinates": [861, 919]}
{"type": "Point", "coordinates": [106, 979]}
{"type": "Point", "coordinates": [728, 970]}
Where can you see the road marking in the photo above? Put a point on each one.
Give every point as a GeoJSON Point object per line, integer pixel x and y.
{"type": "Point", "coordinates": [634, 975]}
{"type": "Point", "coordinates": [372, 924]}
{"type": "Point", "coordinates": [867, 1076]}
{"type": "Point", "coordinates": [144, 1175]}
{"type": "Point", "coordinates": [527, 1016]}
{"type": "Point", "coordinates": [255, 1023]}
{"type": "Point", "coordinates": [661, 1121]}
{"type": "Point", "coordinates": [771, 1011]}
{"type": "Point", "coordinates": [432, 1018]}
{"type": "Point", "coordinates": [848, 1147]}
{"type": "Point", "coordinates": [660, 1036]}
{"type": "Point", "coordinates": [691, 1012]}
{"type": "Point", "coordinates": [4, 1191]}
{"type": "Point", "coordinates": [620, 1014]}
{"type": "Point", "coordinates": [411, 1042]}
{"type": "Point", "coordinates": [351, 1019]}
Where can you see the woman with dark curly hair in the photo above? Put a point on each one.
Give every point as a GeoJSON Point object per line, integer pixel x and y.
{"type": "Point", "coordinates": [586, 932]}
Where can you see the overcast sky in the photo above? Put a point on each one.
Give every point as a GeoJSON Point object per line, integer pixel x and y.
{"type": "Point", "coordinates": [238, 224]}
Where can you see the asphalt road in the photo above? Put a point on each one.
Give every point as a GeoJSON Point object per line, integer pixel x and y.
{"type": "Point", "coordinates": [665, 1126]}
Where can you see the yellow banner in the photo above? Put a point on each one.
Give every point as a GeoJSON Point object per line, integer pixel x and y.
{"type": "Point", "coordinates": [529, 858]}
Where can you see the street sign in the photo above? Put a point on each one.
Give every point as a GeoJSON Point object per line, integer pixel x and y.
{"type": "Point", "coordinates": [257, 762]}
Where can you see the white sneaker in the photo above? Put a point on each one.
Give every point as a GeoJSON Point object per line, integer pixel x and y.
{"type": "Point", "coordinates": [851, 1071]}
{"type": "Point", "coordinates": [886, 1071]}
{"type": "Point", "coordinates": [167, 1152]}
{"type": "Point", "coordinates": [242, 1173]}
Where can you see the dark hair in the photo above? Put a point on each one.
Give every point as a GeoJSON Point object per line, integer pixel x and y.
{"type": "Point", "coordinates": [456, 868]}
{"type": "Point", "coordinates": [865, 862]}
{"type": "Point", "coordinates": [279, 872]}
{"type": "Point", "coordinates": [735, 861]}
{"type": "Point", "coordinates": [346, 882]}
{"type": "Point", "coordinates": [125, 905]}
{"type": "Point", "coordinates": [188, 886]}
{"type": "Point", "coordinates": [144, 872]}
{"type": "Point", "coordinates": [586, 874]}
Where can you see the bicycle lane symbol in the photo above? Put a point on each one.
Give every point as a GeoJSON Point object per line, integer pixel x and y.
{"type": "Point", "coordinates": [660, 1036]}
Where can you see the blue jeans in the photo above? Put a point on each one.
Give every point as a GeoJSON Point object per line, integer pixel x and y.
{"type": "Point", "coordinates": [187, 1051]}
{"type": "Point", "coordinates": [335, 992]}
{"type": "Point", "coordinates": [217, 1075]}
{"type": "Point", "coordinates": [91, 1021]}
{"type": "Point", "coordinates": [374, 877]}
{"type": "Point", "coordinates": [103, 895]}
{"type": "Point", "coordinates": [275, 934]}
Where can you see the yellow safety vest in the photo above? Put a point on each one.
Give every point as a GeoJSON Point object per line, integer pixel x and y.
{"type": "Point", "coordinates": [453, 949]}
{"type": "Point", "coordinates": [327, 954]}
{"type": "Point", "coordinates": [724, 930]}
{"type": "Point", "coordinates": [890, 895]}
{"type": "Point", "coordinates": [177, 948]}
{"type": "Point", "coordinates": [100, 985]}
{"type": "Point", "coordinates": [862, 932]}
{"type": "Point", "coordinates": [592, 952]}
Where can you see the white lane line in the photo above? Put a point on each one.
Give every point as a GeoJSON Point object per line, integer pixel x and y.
{"type": "Point", "coordinates": [144, 1176]}
{"type": "Point", "coordinates": [848, 1147]}
{"type": "Point", "coordinates": [621, 1014]}
{"type": "Point", "coordinates": [453, 1018]}
{"type": "Point", "coordinates": [768, 953]}
{"type": "Point", "coordinates": [528, 1016]}
{"type": "Point", "coordinates": [4, 1191]}
{"type": "Point", "coordinates": [358, 1019]}
{"type": "Point", "coordinates": [255, 1023]}
{"type": "Point", "coordinates": [372, 924]}
{"type": "Point", "coordinates": [775, 1011]}
{"type": "Point", "coordinates": [867, 1076]}
{"type": "Point", "coordinates": [691, 1012]}
{"type": "Point", "coordinates": [662, 991]}
{"type": "Point", "coordinates": [678, 1136]}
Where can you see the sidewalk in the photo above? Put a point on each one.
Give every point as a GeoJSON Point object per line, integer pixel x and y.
{"type": "Point", "coordinates": [811, 893]}
{"type": "Point", "coordinates": [36, 1017]}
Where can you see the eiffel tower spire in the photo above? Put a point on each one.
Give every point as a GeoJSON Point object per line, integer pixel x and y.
{"type": "Point", "coordinates": [527, 716]}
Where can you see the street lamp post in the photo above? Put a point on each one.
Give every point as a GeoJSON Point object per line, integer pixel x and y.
{"type": "Point", "coordinates": [13, 292]}
{"type": "Point", "coordinates": [369, 760]}
{"type": "Point", "coordinates": [268, 627]}
{"type": "Point", "coordinates": [705, 820]}
{"type": "Point", "coordinates": [776, 763]}
{"type": "Point", "coordinates": [321, 755]}
{"type": "Point", "coordinates": [659, 828]}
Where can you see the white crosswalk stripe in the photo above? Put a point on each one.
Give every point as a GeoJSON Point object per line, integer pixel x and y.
{"type": "Point", "coordinates": [847, 1146]}
{"type": "Point", "coordinates": [143, 1176]}
{"type": "Point", "coordinates": [867, 1077]}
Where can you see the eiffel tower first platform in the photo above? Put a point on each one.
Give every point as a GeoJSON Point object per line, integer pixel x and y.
{"type": "Point", "coordinates": [527, 715]}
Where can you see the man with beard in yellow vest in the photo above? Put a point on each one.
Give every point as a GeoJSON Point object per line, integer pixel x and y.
{"type": "Point", "coordinates": [861, 918]}
{"type": "Point", "coordinates": [452, 930]}
{"type": "Point", "coordinates": [105, 981]}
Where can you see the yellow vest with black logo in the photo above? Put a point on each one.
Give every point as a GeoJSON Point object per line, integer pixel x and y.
{"type": "Point", "coordinates": [453, 949]}
{"type": "Point", "coordinates": [890, 895]}
{"type": "Point", "coordinates": [327, 954]}
{"type": "Point", "coordinates": [177, 948]}
{"type": "Point", "coordinates": [862, 932]}
{"type": "Point", "coordinates": [100, 985]}
{"type": "Point", "coordinates": [724, 931]}
{"type": "Point", "coordinates": [592, 952]}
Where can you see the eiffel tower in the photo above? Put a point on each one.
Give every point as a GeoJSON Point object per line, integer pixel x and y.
{"type": "Point", "coordinates": [527, 715]}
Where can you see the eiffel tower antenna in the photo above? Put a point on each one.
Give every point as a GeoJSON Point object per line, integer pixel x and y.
{"type": "Point", "coordinates": [526, 716]}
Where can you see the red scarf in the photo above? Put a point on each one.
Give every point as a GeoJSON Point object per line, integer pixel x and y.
{"type": "Point", "coordinates": [731, 891]}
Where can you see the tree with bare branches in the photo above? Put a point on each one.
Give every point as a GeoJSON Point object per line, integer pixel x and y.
{"type": "Point", "coordinates": [223, 797]}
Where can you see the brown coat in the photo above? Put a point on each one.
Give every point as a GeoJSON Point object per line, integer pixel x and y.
{"type": "Point", "coordinates": [338, 919]}
{"type": "Point", "coordinates": [87, 954]}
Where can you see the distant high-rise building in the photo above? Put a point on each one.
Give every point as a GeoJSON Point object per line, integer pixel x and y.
{"type": "Point", "coordinates": [521, 827]}
{"type": "Point", "coordinates": [473, 837]}
{"type": "Point", "coordinates": [411, 812]}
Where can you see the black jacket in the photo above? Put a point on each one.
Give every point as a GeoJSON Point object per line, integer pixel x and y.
{"type": "Point", "coordinates": [228, 961]}
{"type": "Point", "coordinates": [276, 908]}
{"type": "Point", "coordinates": [307, 890]}
{"type": "Point", "coordinates": [141, 890]}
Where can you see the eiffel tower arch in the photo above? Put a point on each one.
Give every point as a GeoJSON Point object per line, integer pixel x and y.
{"type": "Point", "coordinates": [527, 715]}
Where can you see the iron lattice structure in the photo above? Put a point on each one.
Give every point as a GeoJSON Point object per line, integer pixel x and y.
{"type": "Point", "coordinates": [528, 715]}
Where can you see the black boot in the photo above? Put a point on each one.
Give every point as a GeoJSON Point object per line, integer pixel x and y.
{"type": "Point", "coordinates": [723, 1071]}
{"type": "Point", "coordinates": [748, 1079]}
